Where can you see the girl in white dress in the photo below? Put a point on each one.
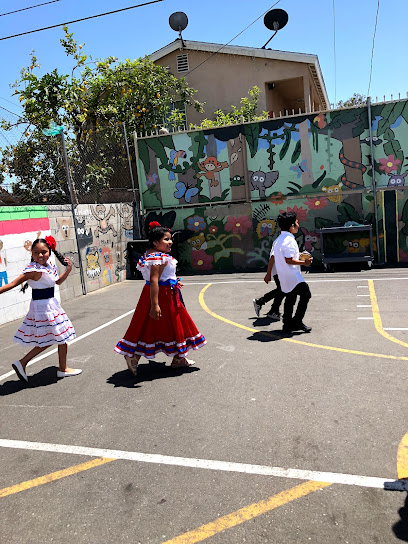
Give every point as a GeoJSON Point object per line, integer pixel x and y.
{"type": "Point", "coordinates": [46, 323]}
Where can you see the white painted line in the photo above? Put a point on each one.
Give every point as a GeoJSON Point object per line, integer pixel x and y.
{"type": "Point", "coordinates": [208, 464]}
{"type": "Point", "coordinates": [395, 329]}
{"type": "Point", "coordinates": [365, 317]}
{"type": "Point", "coordinates": [362, 286]}
{"type": "Point", "coordinates": [363, 305]}
{"type": "Point", "coordinates": [48, 353]}
{"type": "Point", "coordinates": [363, 295]}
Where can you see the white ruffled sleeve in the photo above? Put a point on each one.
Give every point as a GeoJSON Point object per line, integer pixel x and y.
{"type": "Point", "coordinates": [152, 259]}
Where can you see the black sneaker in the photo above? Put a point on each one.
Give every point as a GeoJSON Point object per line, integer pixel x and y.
{"type": "Point", "coordinates": [300, 327]}
{"type": "Point", "coordinates": [257, 306]}
{"type": "Point", "coordinates": [273, 316]}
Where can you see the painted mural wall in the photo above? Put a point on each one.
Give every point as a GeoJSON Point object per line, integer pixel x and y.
{"type": "Point", "coordinates": [227, 186]}
{"type": "Point", "coordinates": [102, 231]}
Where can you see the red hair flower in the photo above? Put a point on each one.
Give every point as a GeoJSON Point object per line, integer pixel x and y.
{"type": "Point", "coordinates": [51, 242]}
{"type": "Point", "coordinates": [153, 224]}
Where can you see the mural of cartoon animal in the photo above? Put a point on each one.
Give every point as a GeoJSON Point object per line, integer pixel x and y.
{"type": "Point", "coordinates": [334, 192]}
{"type": "Point", "coordinates": [351, 164]}
{"type": "Point", "coordinates": [209, 167]}
{"type": "Point", "coordinates": [102, 216]}
{"type": "Point", "coordinates": [84, 233]}
{"type": "Point", "coordinates": [397, 180]}
{"type": "Point", "coordinates": [174, 157]}
{"type": "Point", "coordinates": [358, 245]}
{"type": "Point", "coordinates": [64, 225]}
{"type": "Point", "coordinates": [198, 242]}
{"type": "Point", "coordinates": [125, 212]}
{"type": "Point", "coordinates": [93, 270]}
{"type": "Point", "coordinates": [311, 239]}
{"type": "Point", "coordinates": [261, 181]}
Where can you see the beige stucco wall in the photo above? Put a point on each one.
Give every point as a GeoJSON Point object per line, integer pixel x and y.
{"type": "Point", "coordinates": [225, 79]}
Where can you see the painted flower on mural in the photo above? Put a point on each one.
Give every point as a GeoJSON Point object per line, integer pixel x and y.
{"type": "Point", "coordinates": [151, 179]}
{"type": "Point", "coordinates": [213, 229]}
{"type": "Point", "coordinates": [320, 120]}
{"type": "Point", "coordinates": [315, 203]}
{"type": "Point", "coordinates": [238, 225]}
{"type": "Point", "coordinates": [277, 199]}
{"type": "Point", "coordinates": [201, 261]}
{"type": "Point", "coordinates": [389, 164]}
{"type": "Point", "coordinates": [301, 213]}
{"type": "Point", "coordinates": [196, 223]}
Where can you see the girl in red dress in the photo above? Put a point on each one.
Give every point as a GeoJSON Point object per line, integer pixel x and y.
{"type": "Point", "coordinates": [160, 322]}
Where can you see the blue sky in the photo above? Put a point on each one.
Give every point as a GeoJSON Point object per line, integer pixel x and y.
{"type": "Point", "coordinates": [143, 30]}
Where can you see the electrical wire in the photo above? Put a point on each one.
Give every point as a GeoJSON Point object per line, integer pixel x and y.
{"type": "Point", "coordinates": [372, 50]}
{"type": "Point", "coordinates": [83, 19]}
{"type": "Point", "coordinates": [242, 31]}
{"type": "Point", "coordinates": [31, 7]}
{"type": "Point", "coordinates": [334, 53]}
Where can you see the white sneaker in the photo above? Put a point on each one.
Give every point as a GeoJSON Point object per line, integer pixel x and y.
{"type": "Point", "coordinates": [74, 372]}
{"type": "Point", "coordinates": [19, 370]}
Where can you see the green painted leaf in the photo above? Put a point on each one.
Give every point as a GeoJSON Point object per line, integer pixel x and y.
{"type": "Point", "coordinates": [296, 152]}
{"type": "Point", "coordinates": [144, 154]}
{"type": "Point", "coordinates": [251, 133]}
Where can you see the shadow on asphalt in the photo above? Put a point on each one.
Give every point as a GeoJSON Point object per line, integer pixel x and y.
{"type": "Point", "coordinates": [46, 376]}
{"type": "Point", "coordinates": [147, 373]}
{"type": "Point", "coordinates": [400, 529]}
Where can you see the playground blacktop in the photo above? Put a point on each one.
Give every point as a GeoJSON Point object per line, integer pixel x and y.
{"type": "Point", "coordinates": [268, 439]}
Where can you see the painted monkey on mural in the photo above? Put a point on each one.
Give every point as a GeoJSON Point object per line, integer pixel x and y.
{"type": "Point", "coordinates": [209, 167]}
{"type": "Point", "coordinates": [102, 216]}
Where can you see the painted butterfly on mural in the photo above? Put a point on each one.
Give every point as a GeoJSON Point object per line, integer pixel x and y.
{"type": "Point", "coordinates": [300, 168]}
{"type": "Point", "coordinates": [185, 191]}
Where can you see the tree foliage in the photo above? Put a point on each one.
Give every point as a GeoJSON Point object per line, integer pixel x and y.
{"type": "Point", "coordinates": [91, 103]}
{"type": "Point", "coordinates": [356, 100]}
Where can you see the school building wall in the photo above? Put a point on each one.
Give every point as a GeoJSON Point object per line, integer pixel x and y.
{"type": "Point", "coordinates": [94, 238]}
{"type": "Point", "coordinates": [225, 187]}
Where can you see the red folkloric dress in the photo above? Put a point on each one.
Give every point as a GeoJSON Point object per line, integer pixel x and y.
{"type": "Point", "coordinates": [175, 332]}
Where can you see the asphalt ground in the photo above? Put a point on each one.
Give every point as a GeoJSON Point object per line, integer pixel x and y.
{"type": "Point", "coordinates": [268, 439]}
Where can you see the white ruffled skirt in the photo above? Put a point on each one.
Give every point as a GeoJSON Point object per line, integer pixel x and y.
{"type": "Point", "coordinates": [45, 324]}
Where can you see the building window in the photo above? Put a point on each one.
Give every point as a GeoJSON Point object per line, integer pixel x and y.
{"type": "Point", "coordinates": [180, 106]}
{"type": "Point", "coordinates": [182, 63]}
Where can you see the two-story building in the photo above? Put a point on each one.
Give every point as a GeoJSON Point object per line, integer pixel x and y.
{"type": "Point", "coordinates": [289, 82]}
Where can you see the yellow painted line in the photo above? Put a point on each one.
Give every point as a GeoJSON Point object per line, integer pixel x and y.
{"type": "Point", "coordinates": [247, 513]}
{"type": "Point", "coordinates": [402, 459]}
{"type": "Point", "coordinates": [53, 476]}
{"type": "Point", "coordinates": [377, 317]}
{"type": "Point", "coordinates": [291, 340]}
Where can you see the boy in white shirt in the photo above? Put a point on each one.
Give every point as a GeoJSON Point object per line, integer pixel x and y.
{"type": "Point", "coordinates": [275, 294]}
{"type": "Point", "coordinates": [287, 262]}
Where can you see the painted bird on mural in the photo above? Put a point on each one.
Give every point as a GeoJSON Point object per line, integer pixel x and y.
{"type": "Point", "coordinates": [174, 157]}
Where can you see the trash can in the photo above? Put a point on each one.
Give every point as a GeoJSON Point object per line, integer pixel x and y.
{"type": "Point", "coordinates": [135, 249]}
{"type": "Point", "coordinates": [346, 245]}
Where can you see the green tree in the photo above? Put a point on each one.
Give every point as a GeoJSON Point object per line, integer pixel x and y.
{"type": "Point", "coordinates": [356, 100]}
{"type": "Point", "coordinates": [91, 103]}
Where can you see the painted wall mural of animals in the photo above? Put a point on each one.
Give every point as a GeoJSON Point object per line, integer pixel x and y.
{"type": "Point", "coordinates": [319, 164]}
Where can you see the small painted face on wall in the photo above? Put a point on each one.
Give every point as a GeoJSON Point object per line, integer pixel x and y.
{"type": "Point", "coordinates": [198, 242]}
{"type": "Point", "coordinates": [333, 192]}
{"type": "Point", "coordinates": [265, 228]}
{"type": "Point", "coordinates": [397, 180]}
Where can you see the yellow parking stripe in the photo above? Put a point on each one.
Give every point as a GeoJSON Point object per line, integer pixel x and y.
{"type": "Point", "coordinates": [247, 513]}
{"type": "Point", "coordinates": [291, 340]}
{"type": "Point", "coordinates": [402, 459]}
{"type": "Point", "coordinates": [377, 316]}
{"type": "Point", "coordinates": [53, 476]}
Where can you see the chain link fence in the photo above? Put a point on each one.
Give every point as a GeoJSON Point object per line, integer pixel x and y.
{"type": "Point", "coordinates": [95, 167]}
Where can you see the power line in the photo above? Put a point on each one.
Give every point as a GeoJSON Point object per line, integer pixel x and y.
{"type": "Point", "coordinates": [31, 7]}
{"type": "Point", "coordinates": [12, 112]}
{"type": "Point", "coordinates": [242, 31]}
{"type": "Point", "coordinates": [372, 50]}
{"type": "Point", "coordinates": [84, 19]}
{"type": "Point", "coordinates": [7, 100]}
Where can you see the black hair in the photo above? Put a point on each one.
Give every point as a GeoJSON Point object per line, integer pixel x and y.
{"type": "Point", "coordinates": [286, 220]}
{"type": "Point", "coordinates": [156, 234]}
{"type": "Point", "coordinates": [56, 253]}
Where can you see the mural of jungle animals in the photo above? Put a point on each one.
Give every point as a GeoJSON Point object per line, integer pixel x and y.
{"type": "Point", "coordinates": [333, 191]}
{"type": "Point", "coordinates": [397, 180]}
{"type": "Point", "coordinates": [209, 168]}
{"type": "Point", "coordinates": [93, 269]}
{"type": "Point", "coordinates": [102, 216]}
{"type": "Point", "coordinates": [84, 233]}
{"type": "Point", "coordinates": [174, 158]}
{"type": "Point", "coordinates": [198, 242]}
{"type": "Point", "coordinates": [311, 240]}
{"type": "Point", "coordinates": [351, 164]}
{"type": "Point", "coordinates": [262, 224]}
{"type": "Point", "coordinates": [3, 265]}
{"type": "Point", "coordinates": [260, 181]}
